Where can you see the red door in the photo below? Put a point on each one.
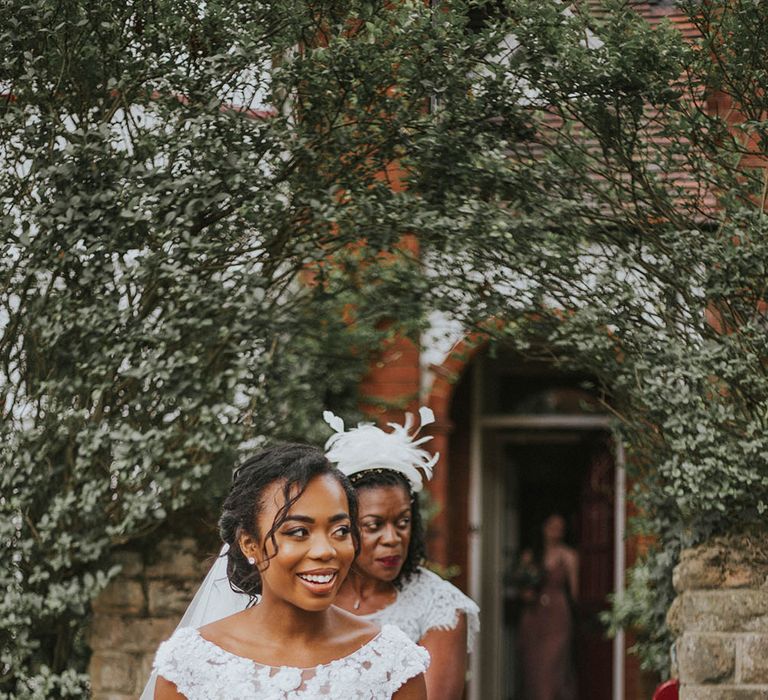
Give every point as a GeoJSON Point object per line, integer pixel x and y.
{"type": "Point", "coordinates": [592, 647]}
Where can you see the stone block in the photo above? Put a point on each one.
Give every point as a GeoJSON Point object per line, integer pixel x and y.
{"type": "Point", "coordinates": [122, 595]}
{"type": "Point", "coordinates": [753, 657]}
{"type": "Point", "coordinates": [722, 692]}
{"type": "Point", "coordinates": [741, 576]}
{"type": "Point", "coordinates": [676, 615]}
{"type": "Point", "coordinates": [170, 597]}
{"type": "Point", "coordinates": [706, 658]}
{"type": "Point", "coordinates": [719, 611]}
{"type": "Point", "coordinates": [699, 568]}
{"type": "Point", "coordinates": [112, 672]}
{"type": "Point", "coordinates": [112, 633]}
{"type": "Point", "coordinates": [145, 668]}
{"type": "Point", "coordinates": [177, 559]}
{"type": "Point", "coordinates": [729, 562]}
{"type": "Point", "coordinates": [674, 670]}
{"type": "Point", "coordinates": [131, 563]}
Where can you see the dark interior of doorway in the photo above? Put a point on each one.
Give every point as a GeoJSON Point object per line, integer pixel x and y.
{"type": "Point", "coordinates": [563, 472]}
{"type": "Point", "coordinates": [549, 477]}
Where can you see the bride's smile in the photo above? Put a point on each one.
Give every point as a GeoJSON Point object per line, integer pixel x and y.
{"type": "Point", "coordinates": [305, 561]}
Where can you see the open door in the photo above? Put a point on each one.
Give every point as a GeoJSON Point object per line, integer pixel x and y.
{"type": "Point", "coordinates": [527, 476]}
{"type": "Point", "coordinates": [532, 442]}
{"type": "Point", "coordinates": [596, 557]}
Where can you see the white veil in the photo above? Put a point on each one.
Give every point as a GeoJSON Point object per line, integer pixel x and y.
{"type": "Point", "coordinates": [214, 600]}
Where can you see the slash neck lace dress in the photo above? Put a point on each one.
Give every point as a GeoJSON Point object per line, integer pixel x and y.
{"type": "Point", "coordinates": [428, 602]}
{"type": "Point", "coordinates": [201, 670]}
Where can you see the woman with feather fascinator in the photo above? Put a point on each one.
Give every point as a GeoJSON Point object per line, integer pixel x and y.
{"type": "Point", "coordinates": [387, 583]}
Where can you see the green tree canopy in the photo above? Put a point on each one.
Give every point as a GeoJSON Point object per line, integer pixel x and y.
{"type": "Point", "coordinates": [612, 215]}
{"type": "Point", "coordinates": [196, 199]}
{"type": "Point", "coordinates": [194, 208]}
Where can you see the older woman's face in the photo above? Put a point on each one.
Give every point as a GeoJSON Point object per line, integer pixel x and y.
{"type": "Point", "coordinates": [385, 531]}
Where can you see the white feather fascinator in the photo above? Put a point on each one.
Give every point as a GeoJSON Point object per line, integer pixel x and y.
{"type": "Point", "coordinates": [369, 447]}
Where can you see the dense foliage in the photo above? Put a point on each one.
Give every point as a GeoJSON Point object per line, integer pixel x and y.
{"type": "Point", "coordinates": [196, 200]}
{"type": "Point", "coordinates": [180, 185]}
{"type": "Point", "coordinates": [612, 217]}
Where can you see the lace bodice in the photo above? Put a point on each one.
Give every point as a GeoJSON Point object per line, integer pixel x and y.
{"type": "Point", "coordinates": [429, 602]}
{"type": "Point", "coordinates": [201, 670]}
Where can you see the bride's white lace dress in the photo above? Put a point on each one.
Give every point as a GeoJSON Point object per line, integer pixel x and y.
{"type": "Point", "coordinates": [201, 670]}
{"type": "Point", "coordinates": [428, 602]}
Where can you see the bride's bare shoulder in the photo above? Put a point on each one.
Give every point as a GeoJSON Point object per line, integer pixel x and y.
{"type": "Point", "coordinates": [219, 631]}
{"type": "Point", "coordinates": [354, 628]}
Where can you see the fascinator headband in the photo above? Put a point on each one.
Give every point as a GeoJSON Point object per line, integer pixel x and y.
{"type": "Point", "coordinates": [369, 447]}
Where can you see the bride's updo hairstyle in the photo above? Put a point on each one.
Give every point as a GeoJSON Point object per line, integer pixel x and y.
{"type": "Point", "coordinates": [294, 465]}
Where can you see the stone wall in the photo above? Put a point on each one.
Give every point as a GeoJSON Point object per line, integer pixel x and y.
{"type": "Point", "coordinates": [138, 610]}
{"type": "Point", "coordinates": [720, 620]}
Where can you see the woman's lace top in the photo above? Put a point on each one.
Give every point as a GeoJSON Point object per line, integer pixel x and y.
{"type": "Point", "coordinates": [429, 602]}
{"type": "Point", "coordinates": [201, 670]}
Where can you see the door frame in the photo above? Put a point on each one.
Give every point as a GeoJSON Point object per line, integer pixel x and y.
{"type": "Point", "coordinates": [484, 659]}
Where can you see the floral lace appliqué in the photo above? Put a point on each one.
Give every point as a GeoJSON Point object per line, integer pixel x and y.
{"type": "Point", "coordinates": [429, 602]}
{"type": "Point", "coordinates": [202, 670]}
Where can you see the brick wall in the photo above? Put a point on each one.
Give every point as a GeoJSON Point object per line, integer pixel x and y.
{"type": "Point", "coordinates": [138, 610]}
{"type": "Point", "coordinates": [720, 620]}
{"type": "Point", "coordinates": [392, 382]}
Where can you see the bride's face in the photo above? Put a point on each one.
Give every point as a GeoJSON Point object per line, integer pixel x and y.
{"type": "Point", "coordinates": [314, 544]}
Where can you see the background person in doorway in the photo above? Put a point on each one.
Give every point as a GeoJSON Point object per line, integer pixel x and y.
{"type": "Point", "coordinates": [545, 634]}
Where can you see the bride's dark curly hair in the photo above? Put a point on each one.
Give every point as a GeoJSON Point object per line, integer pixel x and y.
{"type": "Point", "coordinates": [417, 548]}
{"type": "Point", "coordinates": [295, 465]}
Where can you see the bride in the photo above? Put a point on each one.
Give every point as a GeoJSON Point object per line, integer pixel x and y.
{"type": "Point", "coordinates": [290, 525]}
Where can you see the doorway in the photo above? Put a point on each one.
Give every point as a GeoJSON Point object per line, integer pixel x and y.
{"type": "Point", "coordinates": [547, 451]}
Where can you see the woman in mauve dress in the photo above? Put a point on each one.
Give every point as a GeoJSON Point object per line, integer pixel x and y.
{"type": "Point", "coordinates": [545, 633]}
